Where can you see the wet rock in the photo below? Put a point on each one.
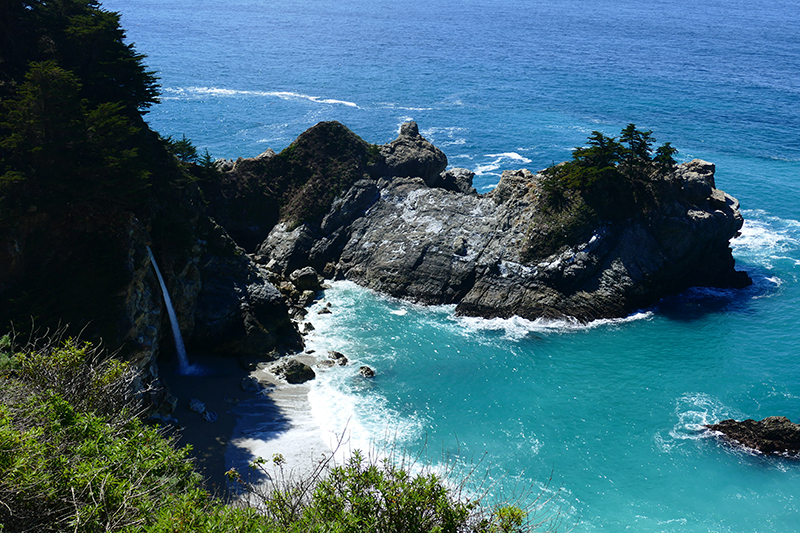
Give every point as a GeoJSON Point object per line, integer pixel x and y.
{"type": "Point", "coordinates": [366, 372]}
{"type": "Point", "coordinates": [772, 435]}
{"type": "Point", "coordinates": [294, 371]}
{"type": "Point", "coordinates": [338, 358]}
{"type": "Point", "coordinates": [305, 279]}
{"type": "Point", "coordinates": [250, 384]}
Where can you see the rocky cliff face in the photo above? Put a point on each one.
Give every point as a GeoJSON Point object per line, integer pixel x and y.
{"type": "Point", "coordinates": [410, 234]}
{"type": "Point", "coordinates": [89, 268]}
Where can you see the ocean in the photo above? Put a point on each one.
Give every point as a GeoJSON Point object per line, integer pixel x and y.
{"type": "Point", "coordinates": [604, 419]}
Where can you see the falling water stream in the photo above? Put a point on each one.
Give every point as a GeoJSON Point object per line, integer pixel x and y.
{"type": "Point", "coordinates": [183, 362]}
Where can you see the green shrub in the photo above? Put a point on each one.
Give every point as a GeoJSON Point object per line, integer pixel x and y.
{"type": "Point", "coordinates": [73, 455]}
{"type": "Point", "coordinates": [365, 495]}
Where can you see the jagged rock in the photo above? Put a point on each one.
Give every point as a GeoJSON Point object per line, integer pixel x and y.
{"type": "Point", "coordinates": [366, 372]}
{"type": "Point", "coordinates": [774, 434]}
{"type": "Point", "coordinates": [324, 311]}
{"type": "Point", "coordinates": [294, 371]}
{"type": "Point", "coordinates": [411, 155]}
{"type": "Point", "coordinates": [238, 311]}
{"type": "Point", "coordinates": [269, 153]}
{"type": "Point", "coordinates": [305, 279]}
{"type": "Point", "coordinates": [457, 180]}
{"type": "Point", "coordinates": [338, 358]}
{"type": "Point", "coordinates": [411, 229]}
{"type": "Point", "coordinates": [493, 256]}
{"type": "Point", "coordinates": [292, 249]}
{"type": "Point", "coordinates": [296, 186]}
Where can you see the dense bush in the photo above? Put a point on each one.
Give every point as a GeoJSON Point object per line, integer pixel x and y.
{"type": "Point", "coordinates": [73, 455]}
{"type": "Point", "coordinates": [607, 181]}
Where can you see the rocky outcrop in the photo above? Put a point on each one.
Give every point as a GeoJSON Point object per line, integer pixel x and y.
{"type": "Point", "coordinates": [238, 311]}
{"type": "Point", "coordinates": [293, 371]}
{"type": "Point", "coordinates": [506, 253]}
{"type": "Point", "coordinates": [773, 435]}
{"type": "Point", "coordinates": [411, 155]}
{"type": "Point", "coordinates": [295, 186]}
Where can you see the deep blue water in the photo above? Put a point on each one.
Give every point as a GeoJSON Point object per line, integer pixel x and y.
{"type": "Point", "coordinates": [612, 410]}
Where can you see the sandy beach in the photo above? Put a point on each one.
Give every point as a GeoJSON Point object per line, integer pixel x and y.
{"type": "Point", "coordinates": [248, 424]}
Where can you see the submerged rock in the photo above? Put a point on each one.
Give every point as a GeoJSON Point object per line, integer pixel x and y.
{"type": "Point", "coordinates": [772, 435]}
{"type": "Point", "coordinates": [338, 357]}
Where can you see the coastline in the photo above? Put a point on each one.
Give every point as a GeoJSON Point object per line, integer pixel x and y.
{"type": "Point", "coordinates": [248, 424]}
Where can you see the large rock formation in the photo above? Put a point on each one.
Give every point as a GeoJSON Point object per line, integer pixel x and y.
{"type": "Point", "coordinates": [507, 253]}
{"type": "Point", "coordinates": [773, 435]}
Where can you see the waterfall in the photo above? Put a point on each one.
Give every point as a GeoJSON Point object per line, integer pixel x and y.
{"type": "Point", "coordinates": [183, 361]}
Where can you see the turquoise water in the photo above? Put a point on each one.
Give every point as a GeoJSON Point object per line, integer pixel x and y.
{"type": "Point", "coordinates": [612, 410]}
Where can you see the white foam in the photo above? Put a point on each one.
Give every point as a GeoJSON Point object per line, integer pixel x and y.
{"type": "Point", "coordinates": [390, 105]}
{"type": "Point", "coordinates": [283, 95]}
{"type": "Point", "coordinates": [517, 328]}
{"type": "Point", "coordinates": [505, 158]}
{"type": "Point", "coordinates": [511, 155]}
{"type": "Point", "coordinates": [767, 240]}
{"type": "Point", "coordinates": [342, 402]}
{"type": "Point", "coordinates": [445, 136]}
{"type": "Point", "coordinates": [694, 411]}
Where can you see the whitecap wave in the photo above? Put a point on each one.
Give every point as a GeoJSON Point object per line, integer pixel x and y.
{"type": "Point", "coordinates": [517, 328]}
{"type": "Point", "coordinates": [446, 136]}
{"type": "Point", "coordinates": [390, 105]}
{"type": "Point", "coordinates": [767, 240]}
{"type": "Point", "coordinates": [194, 92]}
{"type": "Point", "coordinates": [498, 161]}
{"type": "Point", "coordinates": [511, 155]}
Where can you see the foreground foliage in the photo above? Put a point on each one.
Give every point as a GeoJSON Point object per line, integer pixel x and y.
{"type": "Point", "coordinates": [386, 495]}
{"type": "Point", "coordinates": [75, 456]}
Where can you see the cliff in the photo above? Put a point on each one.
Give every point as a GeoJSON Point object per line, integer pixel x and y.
{"type": "Point", "coordinates": [88, 267]}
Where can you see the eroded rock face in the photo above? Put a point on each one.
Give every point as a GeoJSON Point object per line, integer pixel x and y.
{"type": "Point", "coordinates": [224, 301]}
{"type": "Point", "coordinates": [774, 434]}
{"type": "Point", "coordinates": [414, 230]}
{"type": "Point", "coordinates": [435, 245]}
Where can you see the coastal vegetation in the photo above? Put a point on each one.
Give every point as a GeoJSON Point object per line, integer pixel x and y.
{"type": "Point", "coordinates": [607, 180]}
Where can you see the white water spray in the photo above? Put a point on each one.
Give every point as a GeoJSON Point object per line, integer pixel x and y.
{"type": "Point", "coordinates": [183, 361]}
